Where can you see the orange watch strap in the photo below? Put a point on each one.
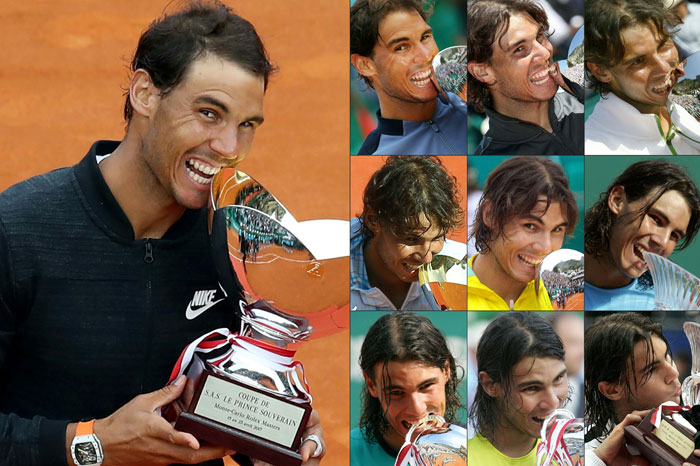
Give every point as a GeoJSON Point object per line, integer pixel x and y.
{"type": "Point", "coordinates": [84, 428]}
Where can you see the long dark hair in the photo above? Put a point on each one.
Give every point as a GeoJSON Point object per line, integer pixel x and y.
{"type": "Point", "coordinates": [171, 43]}
{"type": "Point", "coordinates": [408, 186]}
{"type": "Point", "coordinates": [365, 17]}
{"type": "Point", "coordinates": [640, 179]}
{"type": "Point", "coordinates": [513, 188]}
{"type": "Point", "coordinates": [488, 21]}
{"type": "Point", "coordinates": [609, 346]}
{"type": "Point", "coordinates": [604, 23]}
{"type": "Point", "coordinates": [506, 341]}
{"type": "Point", "coordinates": [403, 336]}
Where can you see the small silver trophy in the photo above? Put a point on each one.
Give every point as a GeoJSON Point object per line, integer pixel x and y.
{"type": "Point", "coordinates": [675, 289]}
{"type": "Point", "coordinates": [450, 69]}
{"type": "Point", "coordinates": [562, 440]}
{"type": "Point", "coordinates": [290, 278]}
{"type": "Point", "coordinates": [690, 389]}
{"type": "Point", "coordinates": [434, 442]}
{"type": "Point", "coordinates": [562, 274]}
{"type": "Point", "coordinates": [446, 276]}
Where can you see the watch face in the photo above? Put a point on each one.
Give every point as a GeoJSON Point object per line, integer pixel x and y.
{"type": "Point", "coordinates": [85, 453]}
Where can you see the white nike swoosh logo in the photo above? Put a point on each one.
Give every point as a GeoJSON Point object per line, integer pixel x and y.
{"type": "Point", "coordinates": [193, 314]}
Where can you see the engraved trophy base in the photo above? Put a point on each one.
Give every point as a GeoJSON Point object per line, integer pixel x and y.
{"type": "Point", "coordinates": [243, 418]}
{"type": "Point", "coordinates": [643, 438]}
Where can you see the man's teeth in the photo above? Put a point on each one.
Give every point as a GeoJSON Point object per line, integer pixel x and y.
{"type": "Point", "coordinates": [663, 87]}
{"type": "Point", "coordinates": [411, 267]}
{"type": "Point", "coordinates": [202, 168]}
{"type": "Point", "coordinates": [542, 77]}
{"type": "Point", "coordinates": [538, 419]}
{"type": "Point", "coordinates": [529, 260]}
{"type": "Point", "coordinates": [421, 78]}
{"type": "Point", "coordinates": [638, 253]}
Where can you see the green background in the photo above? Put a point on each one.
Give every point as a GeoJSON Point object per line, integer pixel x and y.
{"type": "Point", "coordinates": [452, 324]}
{"type": "Point", "coordinates": [601, 170]}
{"type": "Point", "coordinates": [573, 167]}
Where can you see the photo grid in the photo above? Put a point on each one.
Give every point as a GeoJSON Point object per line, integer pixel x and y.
{"type": "Point", "coordinates": [375, 232]}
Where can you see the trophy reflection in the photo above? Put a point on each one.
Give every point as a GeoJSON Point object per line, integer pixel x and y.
{"type": "Point", "coordinates": [450, 70]}
{"type": "Point", "coordinates": [251, 396]}
{"type": "Point", "coordinates": [446, 276]}
{"type": "Point", "coordinates": [562, 274]}
{"type": "Point", "coordinates": [434, 442]}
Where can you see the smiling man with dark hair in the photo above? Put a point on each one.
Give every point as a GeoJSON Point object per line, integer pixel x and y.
{"type": "Point", "coordinates": [652, 206]}
{"type": "Point", "coordinates": [392, 48]}
{"type": "Point", "coordinates": [524, 213]}
{"type": "Point", "coordinates": [409, 205]}
{"type": "Point", "coordinates": [94, 283]}
{"type": "Point", "coordinates": [513, 78]}
{"type": "Point", "coordinates": [521, 381]}
{"type": "Point", "coordinates": [632, 61]}
{"type": "Point", "coordinates": [409, 372]}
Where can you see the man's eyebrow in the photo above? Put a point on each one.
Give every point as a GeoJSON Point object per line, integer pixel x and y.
{"type": "Point", "coordinates": [539, 382]}
{"type": "Point", "coordinates": [627, 62]}
{"type": "Point", "coordinates": [396, 40]}
{"type": "Point", "coordinates": [537, 219]}
{"type": "Point", "coordinates": [656, 211]}
{"type": "Point", "coordinates": [523, 40]}
{"type": "Point", "coordinates": [213, 101]}
{"type": "Point", "coordinates": [209, 100]}
{"type": "Point", "coordinates": [650, 366]}
{"type": "Point", "coordinates": [420, 384]}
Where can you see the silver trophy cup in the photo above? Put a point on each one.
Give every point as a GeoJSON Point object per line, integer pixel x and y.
{"type": "Point", "coordinates": [289, 281]}
{"type": "Point", "coordinates": [450, 69]}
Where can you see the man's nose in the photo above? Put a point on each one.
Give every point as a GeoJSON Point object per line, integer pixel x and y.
{"type": "Point", "coordinates": [225, 143]}
{"type": "Point", "coordinates": [417, 404]}
{"type": "Point", "coordinates": [424, 53]}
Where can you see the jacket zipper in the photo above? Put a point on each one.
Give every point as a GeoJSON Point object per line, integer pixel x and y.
{"type": "Point", "coordinates": [148, 258]}
{"type": "Point", "coordinates": [435, 128]}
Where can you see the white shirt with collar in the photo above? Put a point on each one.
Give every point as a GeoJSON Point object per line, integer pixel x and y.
{"type": "Point", "coordinates": [616, 127]}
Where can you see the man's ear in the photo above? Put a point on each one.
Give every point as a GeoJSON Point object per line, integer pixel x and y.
{"type": "Point", "coordinates": [143, 94]}
{"type": "Point", "coordinates": [364, 65]}
{"type": "Point", "coordinates": [486, 215]}
{"type": "Point", "coordinates": [491, 388]}
{"type": "Point", "coordinates": [371, 386]}
{"type": "Point", "coordinates": [372, 221]}
{"type": "Point", "coordinates": [600, 72]}
{"type": "Point", "coordinates": [617, 199]}
{"type": "Point", "coordinates": [482, 72]}
{"type": "Point", "coordinates": [611, 391]}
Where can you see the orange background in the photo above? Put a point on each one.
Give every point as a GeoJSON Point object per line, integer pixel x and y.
{"type": "Point", "coordinates": [362, 168]}
{"type": "Point", "coordinates": [65, 68]}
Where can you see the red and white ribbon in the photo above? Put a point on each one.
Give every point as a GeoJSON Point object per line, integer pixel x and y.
{"type": "Point", "coordinates": [221, 346]}
{"type": "Point", "coordinates": [667, 407]}
{"type": "Point", "coordinates": [552, 447]}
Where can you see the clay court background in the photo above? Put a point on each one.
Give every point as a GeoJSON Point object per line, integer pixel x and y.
{"type": "Point", "coordinates": [64, 69]}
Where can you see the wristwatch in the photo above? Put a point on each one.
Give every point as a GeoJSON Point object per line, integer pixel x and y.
{"type": "Point", "coordinates": [86, 448]}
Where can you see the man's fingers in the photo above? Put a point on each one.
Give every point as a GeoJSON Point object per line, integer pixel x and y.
{"type": "Point", "coordinates": [165, 395]}
{"type": "Point", "coordinates": [185, 439]}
